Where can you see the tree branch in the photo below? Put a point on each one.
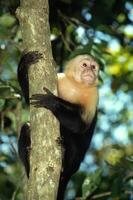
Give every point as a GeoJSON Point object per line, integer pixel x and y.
{"type": "Point", "coordinates": [45, 159]}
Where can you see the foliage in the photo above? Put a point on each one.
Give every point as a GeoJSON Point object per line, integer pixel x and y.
{"type": "Point", "coordinates": [104, 30]}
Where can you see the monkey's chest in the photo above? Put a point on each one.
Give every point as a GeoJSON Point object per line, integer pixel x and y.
{"type": "Point", "coordinates": [75, 93]}
{"type": "Point", "coordinates": [87, 98]}
{"type": "Point", "coordinates": [69, 93]}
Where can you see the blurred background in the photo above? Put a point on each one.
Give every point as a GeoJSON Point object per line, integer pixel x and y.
{"type": "Point", "coordinates": [105, 30]}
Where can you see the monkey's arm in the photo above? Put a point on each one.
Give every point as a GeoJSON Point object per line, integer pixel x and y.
{"type": "Point", "coordinates": [22, 73]}
{"type": "Point", "coordinates": [68, 114]}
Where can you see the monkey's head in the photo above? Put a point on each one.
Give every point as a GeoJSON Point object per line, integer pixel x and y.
{"type": "Point", "coordinates": [83, 69]}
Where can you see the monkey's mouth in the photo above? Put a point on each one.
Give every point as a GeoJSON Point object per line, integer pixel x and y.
{"type": "Point", "coordinates": [89, 77]}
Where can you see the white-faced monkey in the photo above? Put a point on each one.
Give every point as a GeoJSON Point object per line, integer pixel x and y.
{"type": "Point", "coordinates": [75, 107]}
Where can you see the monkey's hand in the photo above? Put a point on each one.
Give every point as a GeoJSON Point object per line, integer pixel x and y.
{"type": "Point", "coordinates": [31, 57]}
{"type": "Point", "coordinates": [47, 101]}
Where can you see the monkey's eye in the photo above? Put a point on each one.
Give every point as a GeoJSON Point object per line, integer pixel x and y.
{"type": "Point", "coordinates": [84, 65]}
{"type": "Point", "coordinates": [93, 66]}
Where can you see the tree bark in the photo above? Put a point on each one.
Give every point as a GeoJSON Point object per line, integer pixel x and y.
{"type": "Point", "coordinates": [45, 158]}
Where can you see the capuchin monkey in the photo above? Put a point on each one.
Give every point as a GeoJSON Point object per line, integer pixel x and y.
{"type": "Point", "coordinates": [75, 107]}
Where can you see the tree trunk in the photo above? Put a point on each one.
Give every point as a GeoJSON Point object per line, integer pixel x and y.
{"type": "Point", "coordinates": [45, 158]}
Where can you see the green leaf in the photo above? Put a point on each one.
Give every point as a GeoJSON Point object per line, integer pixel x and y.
{"type": "Point", "coordinates": [8, 92]}
{"type": "Point", "coordinates": [91, 183]}
{"type": "Point", "coordinates": [116, 187]}
{"type": "Point", "coordinates": [2, 103]}
{"type": "Point", "coordinates": [7, 20]}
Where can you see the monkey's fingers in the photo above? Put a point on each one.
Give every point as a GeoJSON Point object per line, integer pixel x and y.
{"type": "Point", "coordinates": [39, 100]}
{"type": "Point", "coordinates": [47, 90]}
{"type": "Point", "coordinates": [40, 104]}
{"type": "Point", "coordinates": [37, 96]}
{"type": "Point", "coordinates": [37, 56]}
{"type": "Point", "coordinates": [37, 103]}
{"type": "Point", "coordinates": [47, 101]}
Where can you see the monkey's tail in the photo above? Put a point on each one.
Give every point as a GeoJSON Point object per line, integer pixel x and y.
{"type": "Point", "coordinates": [24, 145]}
{"type": "Point", "coordinates": [64, 178]}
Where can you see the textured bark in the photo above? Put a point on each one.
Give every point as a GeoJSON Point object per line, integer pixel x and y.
{"type": "Point", "coordinates": [45, 159]}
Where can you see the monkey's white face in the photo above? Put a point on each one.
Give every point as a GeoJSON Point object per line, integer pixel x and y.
{"type": "Point", "coordinates": [86, 70]}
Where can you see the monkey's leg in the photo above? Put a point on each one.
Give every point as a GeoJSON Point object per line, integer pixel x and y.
{"type": "Point", "coordinates": [24, 146]}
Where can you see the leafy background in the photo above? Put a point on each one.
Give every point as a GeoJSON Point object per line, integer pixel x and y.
{"type": "Point", "coordinates": [105, 30]}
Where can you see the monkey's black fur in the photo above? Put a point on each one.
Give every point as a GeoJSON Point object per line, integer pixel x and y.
{"type": "Point", "coordinates": [75, 133]}
{"type": "Point", "coordinates": [24, 145]}
{"type": "Point", "coordinates": [24, 64]}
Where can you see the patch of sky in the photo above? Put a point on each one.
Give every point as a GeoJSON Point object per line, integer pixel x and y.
{"type": "Point", "coordinates": [103, 123]}
{"type": "Point", "coordinates": [124, 97]}
{"type": "Point", "coordinates": [113, 103]}
{"type": "Point", "coordinates": [97, 141]}
{"type": "Point", "coordinates": [90, 32]}
{"type": "Point", "coordinates": [88, 164]}
{"type": "Point", "coordinates": [120, 98]}
{"type": "Point", "coordinates": [86, 14]}
{"type": "Point", "coordinates": [71, 194]}
{"type": "Point", "coordinates": [112, 106]}
{"type": "Point", "coordinates": [97, 40]}
{"type": "Point", "coordinates": [10, 69]}
{"type": "Point", "coordinates": [81, 35]}
{"type": "Point", "coordinates": [3, 44]}
{"type": "Point", "coordinates": [128, 29]}
{"type": "Point", "coordinates": [7, 143]}
{"type": "Point", "coordinates": [128, 5]}
{"type": "Point", "coordinates": [5, 148]}
{"type": "Point", "coordinates": [114, 45]}
{"type": "Point", "coordinates": [53, 37]}
{"type": "Point", "coordinates": [89, 158]}
{"type": "Point", "coordinates": [104, 90]}
{"type": "Point", "coordinates": [81, 31]}
{"type": "Point", "coordinates": [84, 38]}
{"type": "Point", "coordinates": [3, 164]}
{"type": "Point", "coordinates": [130, 15]}
{"type": "Point", "coordinates": [120, 134]}
{"type": "Point", "coordinates": [4, 138]}
{"type": "Point", "coordinates": [102, 36]}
